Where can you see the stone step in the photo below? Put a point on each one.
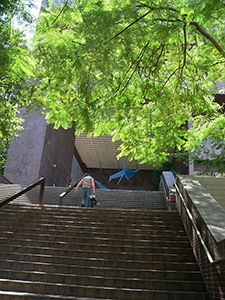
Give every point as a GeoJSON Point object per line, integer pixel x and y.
{"type": "Point", "coordinates": [96, 216]}
{"type": "Point", "coordinates": [92, 291]}
{"type": "Point", "coordinates": [100, 235]}
{"type": "Point", "coordinates": [62, 226]}
{"type": "Point", "coordinates": [9, 295]}
{"type": "Point", "coordinates": [115, 262]}
{"type": "Point", "coordinates": [93, 228]}
{"type": "Point", "coordinates": [117, 243]}
{"type": "Point", "coordinates": [72, 224]}
{"type": "Point", "coordinates": [104, 245]}
{"type": "Point", "coordinates": [43, 262]}
{"type": "Point", "coordinates": [102, 281]}
{"type": "Point", "coordinates": [96, 211]}
{"type": "Point", "coordinates": [157, 296]}
{"type": "Point", "coordinates": [109, 254]}
{"type": "Point", "coordinates": [93, 225]}
{"type": "Point", "coordinates": [105, 213]}
{"type": "Point", "coordinates": [74, 253]}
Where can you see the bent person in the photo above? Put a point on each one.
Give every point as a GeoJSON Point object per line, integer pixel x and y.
{"type": "Point", "coordinates": [87, 184]}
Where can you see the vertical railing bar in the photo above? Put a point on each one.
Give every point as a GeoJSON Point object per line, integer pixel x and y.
{"type": "Point", "coordinates": [41, 194]}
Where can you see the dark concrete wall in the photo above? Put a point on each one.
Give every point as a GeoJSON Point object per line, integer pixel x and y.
{"type": "Point", "coordinates": [57, 156]}
{"type": "Point", "coordinates": [40, 151]}
{"type": "Point", "coordinates": [25, 153]}
{"type": "Point", "coordinates": [76, 171]}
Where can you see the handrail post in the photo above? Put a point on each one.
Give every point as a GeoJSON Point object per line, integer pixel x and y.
{"type": "Point", "coordinates": [61, 198]}
{"type": "Point", "coordinates": [24, 190]}
{"type": "Point", "coordinates": [41, 194]}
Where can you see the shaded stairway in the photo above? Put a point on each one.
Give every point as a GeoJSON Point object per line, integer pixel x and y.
{"type": "Point", "coordinates": [123, 199]}
{"type": "Point", "coordinates": [75, 253]}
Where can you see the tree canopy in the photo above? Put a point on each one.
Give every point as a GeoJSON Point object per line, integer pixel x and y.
{"type": "Point", "coordinates": [136, 70]}
{"type": "Point", "coordinates": [15, 69]}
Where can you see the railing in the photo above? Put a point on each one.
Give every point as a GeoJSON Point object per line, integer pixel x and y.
{"type": "Point", "coordinates": [195, 226]}
{"type": "Point", "coordinates": [213, 270]}
{"type": "Point", "coordinates": [62, 195]}
{"type": "Point", "coordinates": [3, 179]}
{"type": "Point", "coordinates": [211, 261]}
{"type": "Point", "coordinates": [166, 186]}
{"type": "Point", "coordinates": [11, 197]}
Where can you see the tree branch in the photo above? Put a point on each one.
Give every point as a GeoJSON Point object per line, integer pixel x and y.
{"type": "Point", "coordinates": [130, 25]}
{"type": "Point", "coordinates": [207, 35]}
{"type": "Point", "coordinates": [134, 63]}
{"type": "Point", "coordinates": [185, 49]}
{"type": "Point", "coordinates": [166, 20]}
{"type": "Point", "coordinates": [158, 8]}
{"type": "Point", "coordinates": [61, 11]}
{"type": "Point", "coordinates": [168, 79]}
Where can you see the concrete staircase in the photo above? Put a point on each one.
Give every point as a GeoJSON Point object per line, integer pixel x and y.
{"type": "Point", "coordinates": [101, 253]}
{"type": "Point", "coordinates": [123, 199]}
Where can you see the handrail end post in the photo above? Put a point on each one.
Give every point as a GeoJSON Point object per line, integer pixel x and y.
{"type": "Point", "coordinates": [41, 195]}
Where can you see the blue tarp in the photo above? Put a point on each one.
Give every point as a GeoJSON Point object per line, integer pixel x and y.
{"type": "Point", "coordinates": [124, 173]}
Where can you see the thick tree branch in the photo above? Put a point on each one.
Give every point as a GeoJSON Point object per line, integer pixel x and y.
{"type": "Point", "coordinates": [197, 26]}
{"type": "Point", "coordinates": [207, 35]}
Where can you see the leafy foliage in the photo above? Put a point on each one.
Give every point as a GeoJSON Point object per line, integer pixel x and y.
{"type": "Point", "coordinates": [137, 70]}
{"type": "Point", "coordinates": [15, 67]}
{"type": "Point", "coordinates": [211, 152]}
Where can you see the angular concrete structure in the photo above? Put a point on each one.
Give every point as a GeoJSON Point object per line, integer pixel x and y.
{"type": "Point", "coordinates": [40, 151]}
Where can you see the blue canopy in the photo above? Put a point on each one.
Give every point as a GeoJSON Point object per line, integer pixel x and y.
{"type": "Point", "coordinates": [124, 173]}
{"type": "Point", "coordinates": [100, 185]}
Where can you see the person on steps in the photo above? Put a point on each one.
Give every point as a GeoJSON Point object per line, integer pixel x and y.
{"type": "Point", "coordinates": [87, 184]}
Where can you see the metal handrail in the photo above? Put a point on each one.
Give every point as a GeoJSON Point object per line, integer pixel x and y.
{"type": "Point", "coordinates": [164, 190]}
{"type": "Point", "coordinates": [11, 197]}
{"type": "Point", "coordinates": [62, 195]}
{"type": "Point", "coordinates": [5, 180]}
{"type": "Point", "coordinates": [211, 261]}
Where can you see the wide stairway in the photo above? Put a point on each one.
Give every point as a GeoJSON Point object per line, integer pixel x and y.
{"type": "Point", "coordinates": [71, 252]}
{"type": "Point", "coordinates": [123, 199]}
